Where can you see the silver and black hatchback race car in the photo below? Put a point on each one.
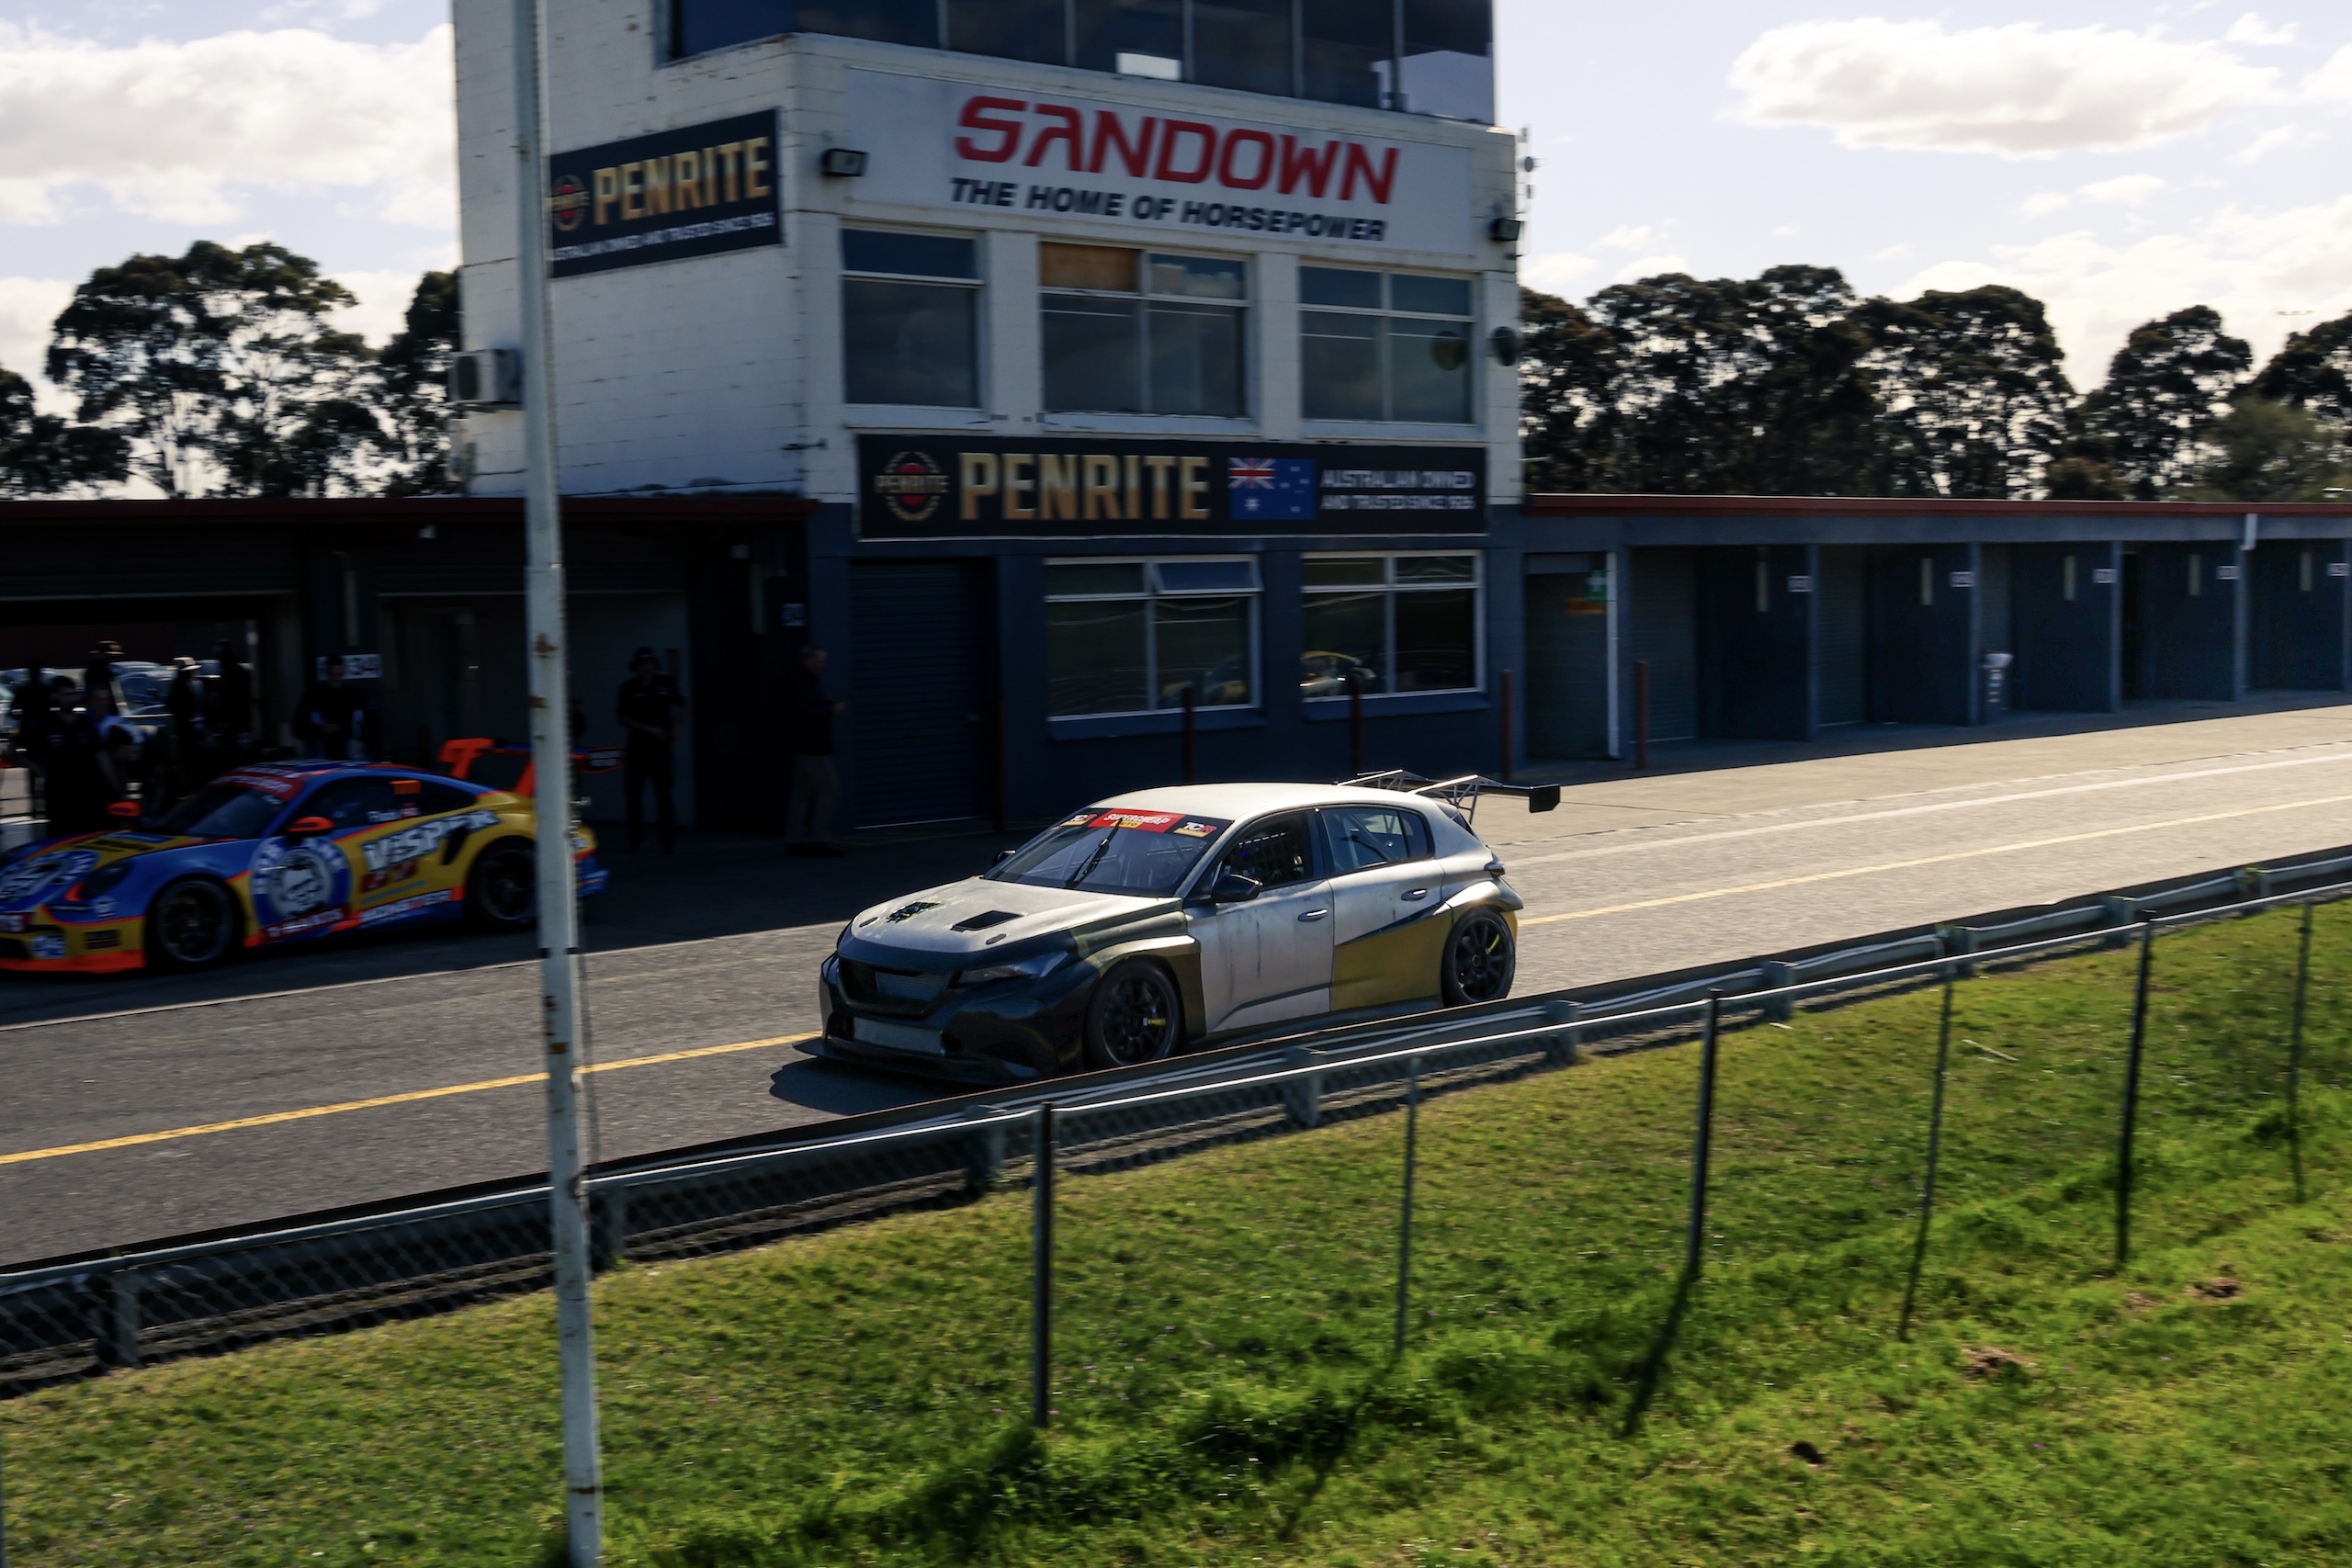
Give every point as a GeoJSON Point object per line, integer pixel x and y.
{"type": "Point", "coordinates": [1170, 917]}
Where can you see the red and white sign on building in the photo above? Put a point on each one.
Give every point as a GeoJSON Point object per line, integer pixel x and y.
{"type": "Point", "coordinates": [934, 142]}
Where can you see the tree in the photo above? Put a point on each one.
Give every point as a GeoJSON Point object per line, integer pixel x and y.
{"type": "Point", "coordinates": [43, 455]}
{"type": "Point", "coordinates": [2263, 450]}
{"type": "Point", "coordinates": [221, 369]}
{"type": "Point", "coordinates": [2165, 388]}
{"type": "Point", "coordinates": [2313, 372]}
{"type": "Point", "coordinates": [412, 382]}
{"type": "Point", "coordinates": [1972, 396]}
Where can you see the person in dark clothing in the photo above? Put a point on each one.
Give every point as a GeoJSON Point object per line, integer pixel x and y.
{"type": "Point", "coordinates": [331, 721]}
{"type": "Point", "coordinates": [182, 766]}
{"type": "Point", "coordinates": [650, 708]}
{"type": "Point", "coordinates": [38, 731]}
{"type": "Point", "coordinates": [91, 769]}
{"type": "Point", "coordinates": [229, 712]}
{"type": "Point", "coordinates": [809, 810]}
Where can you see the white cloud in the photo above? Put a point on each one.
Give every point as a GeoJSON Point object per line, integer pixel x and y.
{"type": "Point", "coordinates": [2020, 91]}
{"type": "Point", "coordinates": [2250, 265]}
{"type": "Point", "coordinates": [1631, 237]}
{"type": "Point", "coordinates": [179, 130]}
{"type": "Point", "coordinates": [27, 306]}
{"type": "Point", "coordinates": [2251, 28]}
{"type": "Point", "coordinates": [1892, 253]}
{"type": "Point", "coordinates": [383, 302]}
{"type": "Point", "coordinates": [2124, 191]}
{"type": "Point", "coordinates": [2269, 141]}
{"type": "Point", "coordinates": [1555, 272]}
{"type": "Point", "coordinates": [1650, 266]}
{"type": "Point", "coordinates": [2042, 203]}
{"type": "Point", "coordinates": [2332, 82]}
{"type": "Point", "coordinates": [1786, 232]}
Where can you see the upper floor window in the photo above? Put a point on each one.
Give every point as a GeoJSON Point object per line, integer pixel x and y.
{"type": "Point", "coordinates": [1432, 56]}
{"type": "Point", "coordinates": [910, 318]}
{"type": "Point", "coordinates": [1385, 346]}
{"type": "Point", "coordinates": [1136, 332]}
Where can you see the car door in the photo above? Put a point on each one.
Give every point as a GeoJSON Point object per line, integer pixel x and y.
{"type": "Point", "coordinates": [311, 885]}
{"type": "Point", "coordinates": [1387, 888]}
{"type": "Point", "coordinates": [1270, 958]}
{"type": "Point", "coordinates": [410, 855]}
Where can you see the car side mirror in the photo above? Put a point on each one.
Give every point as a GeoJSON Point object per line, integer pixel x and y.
{"type": "Point", "coordinates": [1234, 888]}
{"type": "Point", "coordinates": [309, 827]}
{"type": "Point", "coordinates": [126, 809]}
{"type": "Point", "coordinates": [1002, 856]}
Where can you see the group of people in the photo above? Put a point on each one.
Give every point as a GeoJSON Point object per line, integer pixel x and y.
{"type": "Point", "coordinates": [87, 757]}
{"type": "Point", "coordinates": [650, 708]}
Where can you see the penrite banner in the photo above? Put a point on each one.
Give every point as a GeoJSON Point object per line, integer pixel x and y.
{"type": "Point", "coordinates": [947, 487]}
{"type": "Point", "coordinates": [677, 193]}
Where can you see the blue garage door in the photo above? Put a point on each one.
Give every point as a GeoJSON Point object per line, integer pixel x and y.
{"type": "Point", "coordinates": [922, 690]}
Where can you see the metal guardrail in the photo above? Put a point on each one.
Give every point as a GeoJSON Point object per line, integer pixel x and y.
{"type": "Point", "coordinates": [81, 1317]}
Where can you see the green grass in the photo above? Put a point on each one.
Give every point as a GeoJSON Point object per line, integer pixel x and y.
{"type": "Point", "coordinates": [1226, 1393]}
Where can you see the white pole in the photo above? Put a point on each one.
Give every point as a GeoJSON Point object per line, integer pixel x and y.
{"type": "Point", "coordinates": [550, 753]}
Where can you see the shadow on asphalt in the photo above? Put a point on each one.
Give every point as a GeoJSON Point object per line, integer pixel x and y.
{"type": "Point", "coordinates": [838, 1090]}
{"type": "Point", "coordinates": [717, 885]}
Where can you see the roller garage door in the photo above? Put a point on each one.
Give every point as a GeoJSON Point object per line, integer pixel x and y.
{"type": "Point", "coordinates": [922, 688]}
{"type": "Point", "coordinates": [1662, 631]}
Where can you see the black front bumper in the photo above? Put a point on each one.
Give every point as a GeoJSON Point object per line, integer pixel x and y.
{"type": "Point", "coordinates": [1011, 1031]}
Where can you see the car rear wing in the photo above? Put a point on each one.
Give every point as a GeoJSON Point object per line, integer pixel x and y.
{"type": "Point", "coordinates": [1462, 792]}
{"type": "Point", "coordinates": [509, 764]}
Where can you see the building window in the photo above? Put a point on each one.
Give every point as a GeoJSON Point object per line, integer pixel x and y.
{"type": "Point", "coordinates": [1385, 346]}
{"type": "Point", "coordinates": [1395, 624]}
{"type": "Point", "coordinates": [1131, 332]}
{"type": "Point", "coordinates": [1130, 636]}
{"type": "Point", "coordinates": [910, 318]}
{"type": "Point", "coordinates": [1433, 57]}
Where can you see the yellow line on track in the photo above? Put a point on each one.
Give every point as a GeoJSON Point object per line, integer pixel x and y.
{"type": "Point", "coordinates": [410, 1097]}
{"type": "Point", "coordinates": [1927, 860]}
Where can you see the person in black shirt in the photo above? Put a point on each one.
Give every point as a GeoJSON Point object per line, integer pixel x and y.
{"type": "Point", "coordinates": [332, 719]}
{"type": "Point", "coordinates": [227, 713]}
{"type": "Point", "coordinates": [808, 812]}
{"type": "Point", "coordinates": [649, 709]}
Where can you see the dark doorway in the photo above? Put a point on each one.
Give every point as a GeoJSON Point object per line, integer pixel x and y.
{"type": "Point", "coordinates": [1567, 655]}
{"type": "Point", "coordinates": [2136, 601]}
{"type": "Point", "coordinates": [922, 683]}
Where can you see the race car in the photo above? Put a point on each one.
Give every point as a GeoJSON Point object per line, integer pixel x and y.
{"type": "Point", "coordinates": [277, 853]}
{"type": "Point", "coordinates": [1169, 919]}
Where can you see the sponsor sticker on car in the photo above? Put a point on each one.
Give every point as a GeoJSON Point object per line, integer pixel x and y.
{"type": "Point", "coordinates": [416, 843]}
{"type": "Point", "coordinates": [1150, 823]}
{"type": "Point", "coordinates": [422, 901]}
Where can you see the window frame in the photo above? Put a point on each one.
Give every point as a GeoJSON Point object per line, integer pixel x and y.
{"type": "Point", "coordinates": [976, 285]}
{"type": "Point", "coordinates": [1389, 587]}
{"type": "Point", "coordinates": [1384, 313]}
{"type": "Point", "coordinates": [1143, 296]}
{"type": "Point", "coordinates": [1148, 596]}
{"type": "Point", "coordinates": [1425, 850]}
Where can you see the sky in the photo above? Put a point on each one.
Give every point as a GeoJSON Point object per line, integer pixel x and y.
{"type": "Point", "coordinates": [2120, 161]}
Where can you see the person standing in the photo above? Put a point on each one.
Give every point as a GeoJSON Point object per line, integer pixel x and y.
{"type": "Point", "coordinates": [91, 770]}
{"type": "Point", "coordinates": [332, 719]}
{"type": "Point", "coordinates": [808, 811]}
{"type": "Point", "coordinates": [228, 711]}
{"type": "Point", "coordinates": [650, 708]}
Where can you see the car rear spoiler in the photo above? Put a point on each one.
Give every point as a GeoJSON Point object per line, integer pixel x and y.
{"type": "Point", "coordinates": [1462, 792]}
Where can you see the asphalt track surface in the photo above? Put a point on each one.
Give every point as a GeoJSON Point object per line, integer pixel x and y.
{"type": "Point", "coordinates": [151, 1107]}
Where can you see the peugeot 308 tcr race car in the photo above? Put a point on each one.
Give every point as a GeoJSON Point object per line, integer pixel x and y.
{"type": "Point", "coordinates": [1169, 918]}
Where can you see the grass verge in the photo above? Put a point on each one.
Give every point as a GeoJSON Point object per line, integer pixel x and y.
{"type": "Point", "coordinates": [1225, 1393]}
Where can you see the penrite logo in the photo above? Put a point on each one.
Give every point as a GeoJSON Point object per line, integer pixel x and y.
{"type": "Point", "coordinates": [911, 486]}
{"type": "Point", "coordinates": [567, 203]}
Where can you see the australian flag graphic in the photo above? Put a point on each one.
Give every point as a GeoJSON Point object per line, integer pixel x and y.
{"type": "Point", "coordinates": [1275, 490]}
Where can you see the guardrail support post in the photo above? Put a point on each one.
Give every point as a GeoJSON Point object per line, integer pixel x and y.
{"type": "Point", "coordinates": [1777, 976]}
{"type": "Point", "coordinates": [1960, 939]}
{"type": "Point", "coordinates": [2120, 913]}
{"type": "Point", "coordinates": [1564, 1049]}
{"type": "Point", "coordinates": [116, 1337]}
{"type": "Point", "coordinates": [1303, 1096]}
{"type": "Point", "coordinates": [2254, 882]}
{"type": "Point", "coordinates": [2123, 1145]}
{"type": "Point", "coordinates": [1041, 1277]}
{"type": "Point", "coordinates": [608, 1227]}
{"type": "Point", "coordinates": [984, 1151]}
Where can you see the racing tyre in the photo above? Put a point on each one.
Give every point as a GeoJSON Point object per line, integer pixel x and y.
{"type": "Point", "coordinates": [191, 924]}
{"type": "Point", "coordinates": [1479, 960]}
{"type": "Point", "coordinates": [1135, 1016]}
{"type": "Point", "coordinates": [502, 890]}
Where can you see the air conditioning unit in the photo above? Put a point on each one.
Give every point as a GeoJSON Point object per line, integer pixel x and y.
{"type": "Point", "coordinates": [486, 378]}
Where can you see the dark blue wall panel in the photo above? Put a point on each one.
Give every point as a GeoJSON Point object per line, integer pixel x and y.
{"type": "Point", "coordinates": [1922, 636]}
{"type": "Point", "coordinates": [2188, 621]}
{"type": "Point", "coordinates": [2065, 645]}
{"type": "Point", "coordinates": [2297, 616]}
{"type": "Point", "coordinates": [1755, 643]}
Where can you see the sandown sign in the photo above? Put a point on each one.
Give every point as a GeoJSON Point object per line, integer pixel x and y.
{"type": "Point", "coordinates": [932, 142]}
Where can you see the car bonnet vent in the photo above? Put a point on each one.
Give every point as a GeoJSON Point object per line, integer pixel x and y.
{"type": "Point", "coordinates": [984, 920]}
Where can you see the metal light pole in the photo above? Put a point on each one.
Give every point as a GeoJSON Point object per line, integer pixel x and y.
{"type": "Point", "coordinates": [551, 757]}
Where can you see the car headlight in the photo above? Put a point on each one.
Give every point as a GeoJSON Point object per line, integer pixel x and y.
{"type": "Point", "coordinates": [1035, 969]}
{"type": "Point", "coordinates": [104, 880]}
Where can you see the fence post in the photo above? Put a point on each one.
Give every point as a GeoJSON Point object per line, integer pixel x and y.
{"type": "Point", "coordinates": [1405, 1213]}
{"type": "Point", "coordinates": [1041, 1277]}
{"type": "Point", "coordinates": [2294, 1057]}
{"type": "Point", "coordinates": [1641, 713]}
{"type": "Point", "coordinates": [1192, 749]}
{"type": "Point", "coordinates": [1703, 1146]}
{"type": "Point", "coordinates": [2132, 1096]}
{"type": "Point", "coordinates": [1935, 1150]}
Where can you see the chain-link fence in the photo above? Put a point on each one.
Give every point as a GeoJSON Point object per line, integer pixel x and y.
{"type": "Point", "coordinates": [1277, 1219]}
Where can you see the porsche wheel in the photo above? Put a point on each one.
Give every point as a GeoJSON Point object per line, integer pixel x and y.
{"type": "Point", "coordinates": [1135, 1016]}
{"type": "Point", "coordinates": [192, 924]}
{"type": "Point", "coordinates": [1479, 960]}
{"type": "Point", "coordinates": [502, 890]}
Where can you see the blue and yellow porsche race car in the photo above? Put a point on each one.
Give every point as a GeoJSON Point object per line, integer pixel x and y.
{"type": "Point", "coordinates": [277, 853]}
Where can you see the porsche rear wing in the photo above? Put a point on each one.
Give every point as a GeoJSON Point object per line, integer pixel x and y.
{"type": "Point", "coordinates": [1462, 792]}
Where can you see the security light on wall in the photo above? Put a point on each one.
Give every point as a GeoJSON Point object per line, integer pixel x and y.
{"type": "Point", "coordinates": [1506, 343]}
{"type": "Point", "coordinates": [1505, 230]}
{"type": "Point", "coordinates": [841, 162]}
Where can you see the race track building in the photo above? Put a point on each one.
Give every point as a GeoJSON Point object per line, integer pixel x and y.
{"type": "Point", "coordinates": [1127, 348]}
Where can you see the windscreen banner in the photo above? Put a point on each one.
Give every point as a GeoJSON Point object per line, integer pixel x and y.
{"type": "Point", "coordinates": [692, 192]}
{"type": "Point", "coordinates": [934, 142]}
{"type": "Point", "coordinates": [944, 487]}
